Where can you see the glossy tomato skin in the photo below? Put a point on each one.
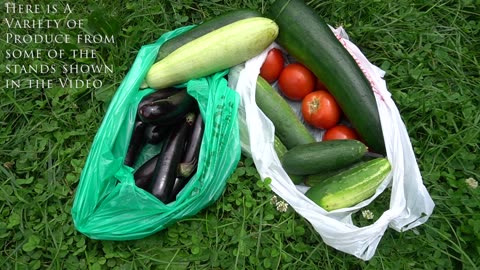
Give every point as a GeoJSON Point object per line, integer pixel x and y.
{"type": "Point", "coordinates": [340, 132]}
{"type": "Point", "coordinates": [272, 66]}
{"type": "Point", "coordinates": [320, 109]}
{"type": "Point", "coordinates": [296, 81]}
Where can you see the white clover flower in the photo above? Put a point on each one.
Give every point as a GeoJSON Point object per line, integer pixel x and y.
{"type": "Point", "coordinates": [9, 164]}
{"type": "Point", "coordinates": [274, 199]}
{"type": "Point", "coordinates": [472, 182]}
{"type": "Point", "coordinates": [282, 206]}
{"type": "Point", "coordinates": [367, 214]}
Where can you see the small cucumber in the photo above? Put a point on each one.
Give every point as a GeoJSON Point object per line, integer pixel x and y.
{"type": "Point", "coordinates": [322, 156]}
{"type": "Point", "coordinates": [288, 127]}
{"type": "Point", "coordinates": [208, 26]}
{"type": "Point", "coordinates": [315, 179]}
{"type": "Point", "coordinates": [350, 187]}
{"type": "Point", "coordinates": [281, 150]}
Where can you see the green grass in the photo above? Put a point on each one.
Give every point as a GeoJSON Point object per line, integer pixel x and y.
{"type": "Point", "coordinates": [430, 51]}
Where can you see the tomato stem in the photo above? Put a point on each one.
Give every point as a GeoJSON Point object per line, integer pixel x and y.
{"type": "Point", "coordinates": [314, 105]}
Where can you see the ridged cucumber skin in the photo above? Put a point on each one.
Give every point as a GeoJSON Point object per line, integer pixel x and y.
{"type": "Point", "coordinates": [281, 149]}
{"type": "Point", "coordinates": [322, 156]}
{"type": "Point", "coordinates": [310, 41]}
{"type": "Point", "coordinates": [218, 50]}
{"type": "Point", "coordinates": [315, 179]}
{"type": "Point", "coordinates": [289, 129]}
{"type": "Point", "coordinates": [212, 24]}
{"type": "Point", "coordinates": [350, 187]}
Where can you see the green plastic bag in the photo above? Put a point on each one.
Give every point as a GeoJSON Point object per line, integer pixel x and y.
{"type": "Point", "coordinates": [108, 205]}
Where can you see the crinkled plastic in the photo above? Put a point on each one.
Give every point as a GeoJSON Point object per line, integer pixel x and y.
{"type": "Point", "coordinates": [410, 203]}
{"type": "Point", "coordinates": [108, 205]}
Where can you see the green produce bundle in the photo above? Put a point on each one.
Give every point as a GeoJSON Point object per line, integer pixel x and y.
{"type": "Point", "coordinates": [108, 205]}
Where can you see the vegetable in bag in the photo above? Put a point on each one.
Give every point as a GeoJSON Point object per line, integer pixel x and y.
{"type": "Point", "coordinates": [108, 205]}
{"type": "Point", "coordinates": [410, 203]}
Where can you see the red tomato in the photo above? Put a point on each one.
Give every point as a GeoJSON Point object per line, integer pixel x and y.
{"type": "Point", "coordinates": [296, 81]}
{"type": "Point", "coordinates": [320, 109]}
{"type": "Point", "coordinates": [272, 66]}
{"type": "Point", "coordinates": [340, 132]}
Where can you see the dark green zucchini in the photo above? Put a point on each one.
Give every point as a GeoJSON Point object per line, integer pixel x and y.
{"type": "Point", "coordinates": [208, 26]}
{"type": "Point", "coordinates": [169, 159]}
{"type": "Point", "coordinates": [310, 41]}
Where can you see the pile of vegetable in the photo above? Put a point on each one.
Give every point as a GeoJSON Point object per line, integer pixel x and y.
{"type": "Point", "coordinates": [313, 69]}
{"type": "Point", "coordinates": [170, 117]}
{"type": "Point", "coordinates": [342, 169]}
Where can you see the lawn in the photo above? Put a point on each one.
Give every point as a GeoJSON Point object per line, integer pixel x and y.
{"type": "Point", "coordinates": [429, 50]}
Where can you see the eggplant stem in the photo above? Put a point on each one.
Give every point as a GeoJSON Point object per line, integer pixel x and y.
{"type": "Point", "coordinates": [186, 169]}
{"type": "Point", "coordinates": [190, 118]}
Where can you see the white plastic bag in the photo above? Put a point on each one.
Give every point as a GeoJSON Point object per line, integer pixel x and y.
{"type": "Point", "coordinates": [410, 203]}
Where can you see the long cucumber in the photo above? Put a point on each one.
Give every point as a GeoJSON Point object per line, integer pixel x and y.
{"type": "Point", "coordinates": [311, 42]}
{"type": "Point", "coordinates": [218, 50]}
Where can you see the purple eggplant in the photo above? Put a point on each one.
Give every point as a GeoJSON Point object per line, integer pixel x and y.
{"type": "Point", "coordinates": [154, 134]}
{"type": "Point", "coordinates": [168, 110]}
{"type": "Point", "coordinates": [143, 175]}
{"type": "Point", "coordinates": [137, 141]}
{"type": "Point", "coordinates": [158, 95]}
{"type": "Point", "coordinates": [169, 159]}
{"type": "Point", "coordinates": [188, 165]}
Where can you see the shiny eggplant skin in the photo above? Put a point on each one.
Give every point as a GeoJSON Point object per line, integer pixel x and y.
{"type": "Point", "coordinates": [154, 134]}
{"type": "Point", "coordinates": [194, 141]}
{"type": "Point", "coordinates": [143, 175]}
{"type": "Point", "coordinates": [158, 95]}
{"type": "Point", "coordinates": [168, 110]}
{"type": "Point", "coordinates": [137, 141]}
{"type": "Point", "coordinates": [168, 161]}
{"type": "Point", "coordinates": [189, 163]}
